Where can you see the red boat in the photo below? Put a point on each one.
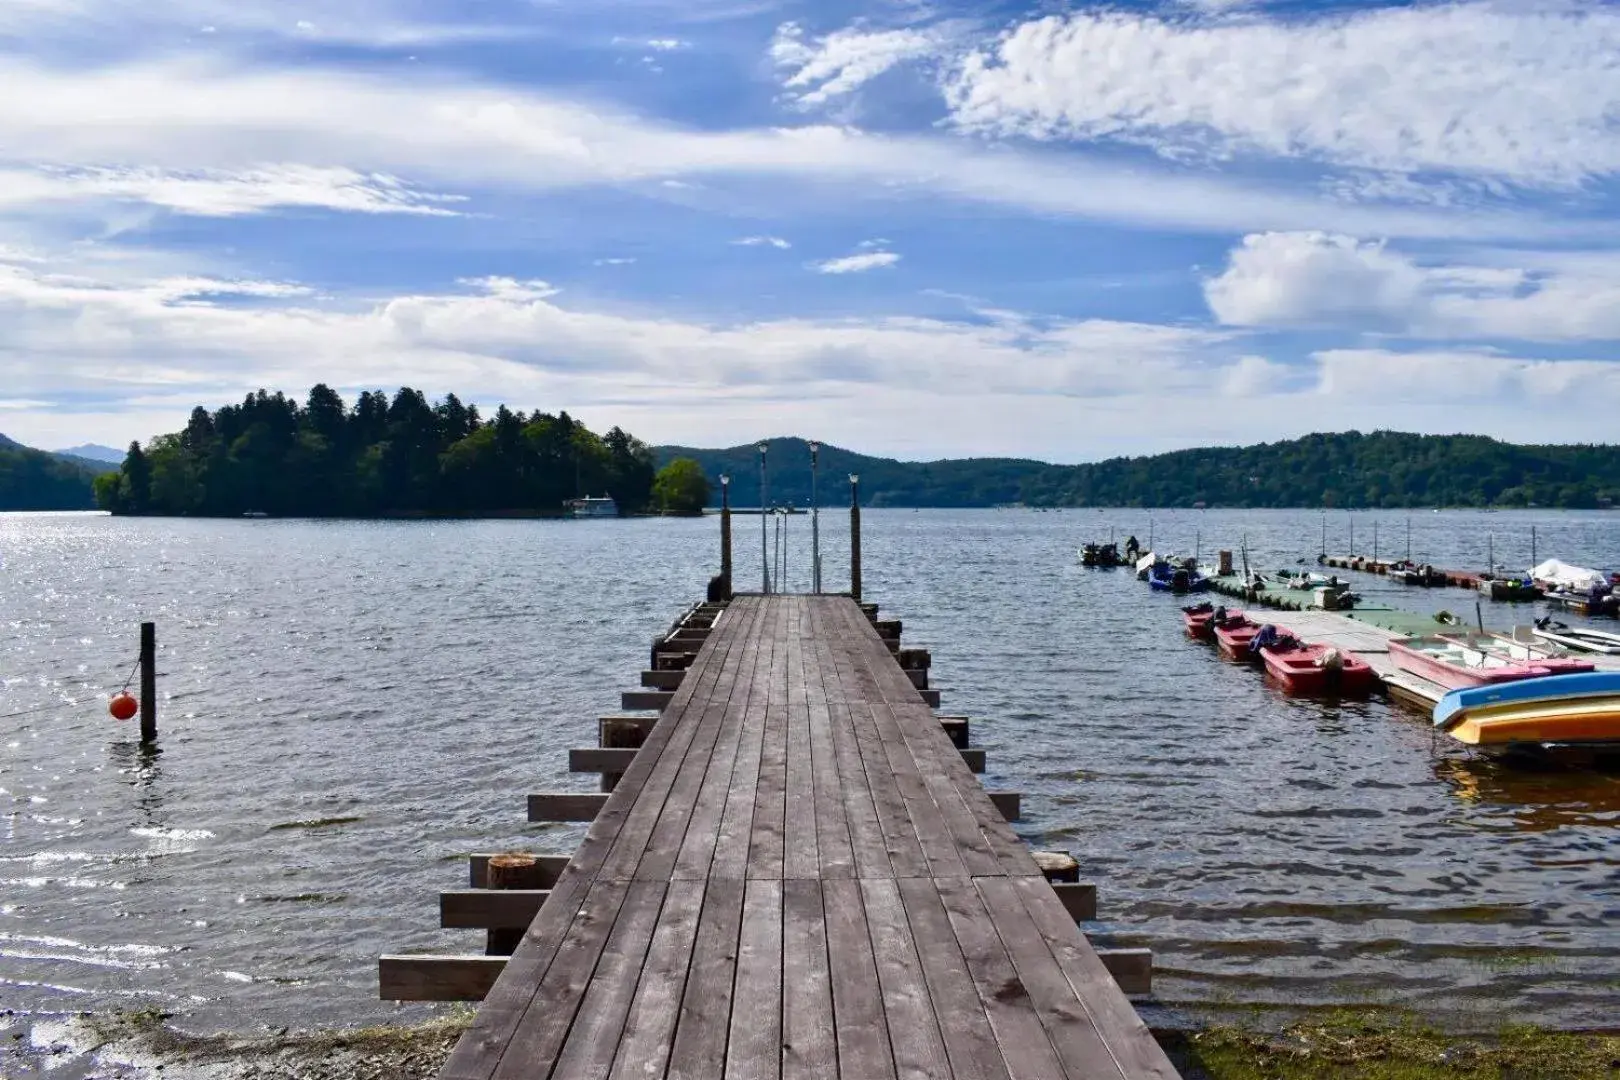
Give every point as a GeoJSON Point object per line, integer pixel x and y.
{"type": "Point", "coordinates": [1317, 669]}
{"type": "Point", "coordinates": [1200, 620]}
{"type": "Point", "coordinates": [1234, 634]}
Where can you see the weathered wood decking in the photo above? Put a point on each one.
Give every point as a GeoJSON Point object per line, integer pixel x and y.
{"type": "Point", "coordinates": [798, 876]}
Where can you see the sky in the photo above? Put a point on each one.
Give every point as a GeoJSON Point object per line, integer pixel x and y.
{"type": "Point", "coordinates": [918, 228]}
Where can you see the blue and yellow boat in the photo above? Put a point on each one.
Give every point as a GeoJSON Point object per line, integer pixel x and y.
{"type": "Point", "coordinates": [1565, 710]}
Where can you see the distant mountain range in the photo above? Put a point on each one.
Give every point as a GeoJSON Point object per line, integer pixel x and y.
{"type": "Point", "coordinates": [1381, 469]}
{"type": "Point", "coordinates": [39, 480]}
{"type": "Point", "coordinates": [1351, 470]}
{"type": "Point", "coordinates": [94, 452]}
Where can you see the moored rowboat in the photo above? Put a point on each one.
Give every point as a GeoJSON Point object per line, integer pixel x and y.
{"type": "Point", "coordinates": [1234, 633]}
{"type": "Point", "coordinates": [1317, 669]}
{"type": "Point", "coordinates": [1455, 663]}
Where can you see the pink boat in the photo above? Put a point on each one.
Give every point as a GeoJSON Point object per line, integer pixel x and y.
{"type": "Point", "coordinates": [1456, 663]}
{"type": "Point", "coordinates": [1317, 669]}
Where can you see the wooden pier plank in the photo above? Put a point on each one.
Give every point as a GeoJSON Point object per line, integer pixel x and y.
{"type": "Point", "coordinates": [799, 876]}
{"type": "Point", "coordinates": [860, 1028]}
{"type": "Point", "coordinates": [809, 1048]}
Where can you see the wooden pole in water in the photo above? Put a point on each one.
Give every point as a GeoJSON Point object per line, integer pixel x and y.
{"type": "Point", "coordinates": [855, 536]}
{"type": "Point", "coordinates": [1490, 557]}
{"type": "Point", "coordinates": [725, 533]}
{"type": "Point", "coordinates": [148, 682]}
{"type": "Point", "coordinates": [1375, 540]}
{"type": "Point", "coordinates": [1352, 534]}
{"type": "Point", "coordinates": [1324, 534]}
{"type": "Point", "coordinates": [1533, 546]}
{"type": "Point", "coordinates": [1409, 538]}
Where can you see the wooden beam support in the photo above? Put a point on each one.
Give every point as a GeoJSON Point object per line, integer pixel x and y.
{"type": "Point", "coordinates": [565, 805]}
{"type": "Point", "coordinates": [546, 869]}
{"type": "Point", "coordinates": [1008, 802]}
{"type": "Point", "coordinates": [624, 731]}
{"type": "Point", "coordinates": [1079, 897]}
{"type": "Point", "coordinates": [662, 680]}
{"type": "Point", "coordinates": [930, 698]}
{"type": "Point", "coordinates": [490, 909]}
{"type": "Point", "coordinates": [974, 758]}
{"type": "Point", "coordinates": [918, 677]}
{"type": "Point", "coordinates": [915, 658]}
{"type": "Point", "coordinates": [888, 628]}
{"type": "Point", "coordinates": [600, 759]}
{"type": "Point", "coordinates": [1132, 969]}
{"type": "Point", "coordinates": [437, 977]}
{"type": "Point", "coordinates": [645, 699]}
{"type": "Point", "coordinates": [957, 728]}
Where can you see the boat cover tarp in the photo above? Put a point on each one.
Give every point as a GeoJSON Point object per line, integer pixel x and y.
{"type": "Point", "coordinates": [1567, 576]}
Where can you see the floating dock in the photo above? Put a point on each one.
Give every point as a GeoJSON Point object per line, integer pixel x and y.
{"type": "Point", "coordinates": [1365, 630]}
{"type": "Point", "coordinates": [797, 874]}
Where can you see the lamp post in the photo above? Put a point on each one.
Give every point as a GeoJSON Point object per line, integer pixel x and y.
{"type": "Point", "coordinates": [764, 539]}
{"type": "Point", "coordinates": [725, 533]}
{"type": "Point", "coordinates": [815, 523]}
{"type": "Point", "coordinates": [855, 536]}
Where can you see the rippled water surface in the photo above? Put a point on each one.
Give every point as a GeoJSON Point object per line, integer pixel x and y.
{"type": "Point", "coordinates": [349, 708]}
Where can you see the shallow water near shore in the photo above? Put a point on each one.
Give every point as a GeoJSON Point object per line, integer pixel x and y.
{"type": "Point", "coordinates": [348, 708]}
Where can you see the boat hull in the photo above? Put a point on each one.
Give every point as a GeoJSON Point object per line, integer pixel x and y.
{"type": "Point", "coordinates": [1566, 709]}
{"type": "Point", "coordinates": [1300, 672]}
{"type": "Point", "coordinates": [1235, 635]}
{"type": "Point", "coordinates": [1454, 676]}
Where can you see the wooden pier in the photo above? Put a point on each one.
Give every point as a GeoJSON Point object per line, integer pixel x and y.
{"type": "Point", "coordinates": [796, 875]}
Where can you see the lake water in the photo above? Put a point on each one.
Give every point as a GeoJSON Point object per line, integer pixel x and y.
{"type": "Point", "coordinates": [349, 708]}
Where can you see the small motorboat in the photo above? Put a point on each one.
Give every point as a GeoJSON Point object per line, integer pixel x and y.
{"type": "Point", "coordinates": [1410, 573]}
{"type": "Point", "coordinates": [1577, 637]}
{"type": "Point", "coordinates": [1509, 590]}
{"type": "Point", "coordinates": [1167, 577]}
{"type": "Point", "coordinates": [1460, 662]}
{"type": "Point", "coordinates": [1582, 710]}
{"type": "Point", "coordinates": [1101, 555]}
{"type": "Point", "coordinates": [1145, 564]}
{"type": "Point", "coordinates": [1200, 621]}
{"type": "Point", "coordinates": [1234, 633]}
{"type": "Point", "coordinates": [1316, 670]}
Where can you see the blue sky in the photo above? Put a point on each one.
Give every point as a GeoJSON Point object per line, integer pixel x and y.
{"type": "Point", "coordinates": [911, 228]}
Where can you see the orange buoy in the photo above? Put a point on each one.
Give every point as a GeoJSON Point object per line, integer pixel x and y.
{"type": "Point", "coordinates": [122, 706]}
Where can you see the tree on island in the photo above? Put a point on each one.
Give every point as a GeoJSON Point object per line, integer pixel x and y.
{"type": "Point", "coordinates": [401, 457]}
{"type": "Point", "coordinates": [681, 487]}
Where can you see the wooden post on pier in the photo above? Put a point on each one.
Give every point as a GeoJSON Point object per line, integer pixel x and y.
{"type": "Point", "coordinates": [148, 682]}
{"type": "Point", "coordinates": [514, 871]}
{"type": "Point", "coordinates": [855, 536]}
{"type": "Point", "coordinates": [725, 534]}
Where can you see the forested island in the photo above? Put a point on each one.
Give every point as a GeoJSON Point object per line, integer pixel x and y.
{"type": "Point", "coordinates": [36, 480]}
{"type": "Point", "coordinates": [1348, 470]}
{"type": "Point", "coordinates": [382, 457]}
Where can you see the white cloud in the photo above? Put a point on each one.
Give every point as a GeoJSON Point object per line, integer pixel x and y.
{"type": "Point", "coordinates": [198, 118]}
{"type": "Point", "coordinates": [1317, 279]}
{"type": "Point", "coordinates": [820, 69]}
{"type": "Point", "coordinates": [1527, 96]}
{"type": "Point", "coordinates": [1467, 376]}
{"type": "Point", "coordinates": [855, 264]}
{"type": "Point", "coordinates": [760, 241]}
{"type": "Point", "coordinates": [620, 261]}
{"type": "Point", "coordinates": [224, 193]}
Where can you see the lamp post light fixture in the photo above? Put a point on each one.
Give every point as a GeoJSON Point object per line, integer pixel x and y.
{"type": "Point", "coordinates": [815, 522]}
{"type": "Point", "coordinates": [764, 539]}
{"type": "Point", "coordinates": [855, 536]}
{"type": "Point", "coordinates": [725, 534]}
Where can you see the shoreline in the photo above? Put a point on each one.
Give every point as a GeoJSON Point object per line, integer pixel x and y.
{"type": "Point", "coordinates": [1347, 1044]}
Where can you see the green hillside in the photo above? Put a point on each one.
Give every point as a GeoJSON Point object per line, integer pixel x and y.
{"type": "Point", "coordinates": [1382, 469]}
{"type": "Point", "coordinates": [35, 480]}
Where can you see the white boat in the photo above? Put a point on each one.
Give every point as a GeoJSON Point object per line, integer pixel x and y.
{"type": "Point", "coordinates": [592, 506]}
{"type": "Point", "coordinates": [1578, 637]}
